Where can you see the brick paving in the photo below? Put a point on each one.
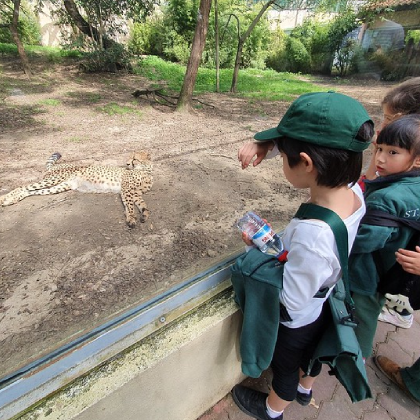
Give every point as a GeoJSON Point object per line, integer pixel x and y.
{"type": "Point", "coordinates": [331, 401]}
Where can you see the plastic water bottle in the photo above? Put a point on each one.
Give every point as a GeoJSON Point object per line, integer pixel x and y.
{"type": "Point", "coordinates": [262, 235]}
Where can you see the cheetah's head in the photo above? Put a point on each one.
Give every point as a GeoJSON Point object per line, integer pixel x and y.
{"type": "Point", "coordinates": [138, 159]}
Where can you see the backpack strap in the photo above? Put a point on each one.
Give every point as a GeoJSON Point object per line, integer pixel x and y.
{"type": "Point", "coordinates": [382, 218]}
{"type": "Point", "coordinates": [313, 211]}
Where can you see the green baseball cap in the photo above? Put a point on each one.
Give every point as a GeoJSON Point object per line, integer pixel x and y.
{"type": "Point", "coordinates": [325, 118]}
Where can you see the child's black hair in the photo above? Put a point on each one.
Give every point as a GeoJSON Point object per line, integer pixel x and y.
{"type": "Point", "coordinates": [335, 167]}
{"type": "Point", "coordinates": [403, 132]}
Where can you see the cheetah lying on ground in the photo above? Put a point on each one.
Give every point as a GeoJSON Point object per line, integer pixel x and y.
{"type": "Point", "coordinates": [131, 183]}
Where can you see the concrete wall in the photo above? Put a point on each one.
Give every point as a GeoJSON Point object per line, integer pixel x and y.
{"type": "Point", "coordinates": [178, 373]}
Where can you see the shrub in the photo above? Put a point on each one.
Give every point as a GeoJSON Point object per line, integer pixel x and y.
{"type": "Point", "coordinates": [107, 60]}
{"type": "Point", "coordinates": [298, 57]}
{"type": "Point", "coordinates": [147, 38]}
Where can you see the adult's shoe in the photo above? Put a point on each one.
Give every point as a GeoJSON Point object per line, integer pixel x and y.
{"type": "Point", "coordinates": [393, 372]}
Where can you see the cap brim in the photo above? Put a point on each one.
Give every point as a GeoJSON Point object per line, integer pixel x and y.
{"type": "Point", "coordinates": [266, 135]}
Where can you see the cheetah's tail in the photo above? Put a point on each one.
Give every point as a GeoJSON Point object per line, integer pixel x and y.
{"type": "Point", "coordinates": [52, 160]}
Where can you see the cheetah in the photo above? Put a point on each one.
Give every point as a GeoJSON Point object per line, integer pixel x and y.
{"type": "Point", "coordinates": [130, 182]}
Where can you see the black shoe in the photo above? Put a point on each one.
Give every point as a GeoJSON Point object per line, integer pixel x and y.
{"type": "Point", "coordinates": [303, 399]}
{"type": "Point", "coordinates": [252, 402]}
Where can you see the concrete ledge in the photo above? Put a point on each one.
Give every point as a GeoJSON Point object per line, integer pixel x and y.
{"type": "Point", "coordinates": [177, 373]}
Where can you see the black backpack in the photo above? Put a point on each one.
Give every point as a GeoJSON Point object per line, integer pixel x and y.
{"type": "Point", "coordinates": [397, 281]}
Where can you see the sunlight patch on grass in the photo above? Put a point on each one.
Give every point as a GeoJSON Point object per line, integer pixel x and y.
{"type": "Point", "coordinates": [50, 102]}
{"type": "Point", "coordinates": [114, 109]}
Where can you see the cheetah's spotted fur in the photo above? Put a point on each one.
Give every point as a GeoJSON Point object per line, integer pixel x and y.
{"type": "Point", "coordinates": [131, 183]}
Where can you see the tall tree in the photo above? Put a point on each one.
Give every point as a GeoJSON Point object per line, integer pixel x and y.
{"type": "Point", "coordinates": [16, 38]}
{"type": "Point", "coordinates": [199, 41]}
{"type": "Point", "coordinates": [241, 41]}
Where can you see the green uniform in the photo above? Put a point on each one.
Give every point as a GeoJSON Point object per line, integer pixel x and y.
{"type": "Point", "coordinates": [398, 195]}
{"type": "Point", "coordinates": [411, 377]}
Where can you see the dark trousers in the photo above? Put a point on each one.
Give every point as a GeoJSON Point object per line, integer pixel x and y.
{"type": "Point", "coordinates": [294, 350]}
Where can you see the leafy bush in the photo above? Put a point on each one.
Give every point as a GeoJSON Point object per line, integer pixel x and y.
{"type": "Point", "coordinates": [107, 60]}
{"type": "Point", "coordinates": [176, 48]}
{"type": "Point", "coordinates": [277, 58]}
{"type": "Point", "coordinates": [147, 37]}
{"type": "Point", "coordinates": [298, 57]}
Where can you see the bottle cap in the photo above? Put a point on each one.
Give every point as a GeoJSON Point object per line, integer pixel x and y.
{"type": "Point", "coordinates": [283, 256]}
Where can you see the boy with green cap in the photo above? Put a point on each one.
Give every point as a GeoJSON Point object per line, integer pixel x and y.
{"type": "Point", "coordinates": [321, 139]}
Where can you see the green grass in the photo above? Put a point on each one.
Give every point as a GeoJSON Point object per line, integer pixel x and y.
{"type": "Point", "coordinates": [91, 97]}
{"type": "Point", "coordinates": [54, 54]}
{"type": "Point", "coordinates": [114, 109]}
{"type": "Point", "coordinates": [252, 83]}
{"type": "Point", "coordinates": [50, 102]}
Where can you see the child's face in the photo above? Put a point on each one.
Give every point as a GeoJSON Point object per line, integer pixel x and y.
{"type": "Point", "coordinates": [390, 160]}
{"type": "Point", "coordinates": [296, 175]}
{"type": "Point", "coordinates": [388, 115]}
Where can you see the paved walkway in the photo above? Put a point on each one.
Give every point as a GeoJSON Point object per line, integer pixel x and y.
{"type": "Point", "coordinates": [331, 401]}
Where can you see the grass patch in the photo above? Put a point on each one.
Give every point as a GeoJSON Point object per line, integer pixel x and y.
{"type": "Point", "coordinates": [50, 102]}
{"type": "Point", "coordinates": [90, 97]}
{"type": "Point", "coordinates": [53, 54]}
{"type": "Point", "coordinates": [114, 109]}
{"type": "Point", "coordinates": [252, 83]}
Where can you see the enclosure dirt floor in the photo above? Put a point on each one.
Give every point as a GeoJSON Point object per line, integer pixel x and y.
{"type": "Point", "coordinates": [68, 261]}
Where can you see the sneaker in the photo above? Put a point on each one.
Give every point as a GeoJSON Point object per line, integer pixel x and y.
{"type": "Point", "coordinates": [392, 317]}
{"type": "Point", "coordinates": [303, 399]}
{"type": "Point", "coordinates": [252, 402]}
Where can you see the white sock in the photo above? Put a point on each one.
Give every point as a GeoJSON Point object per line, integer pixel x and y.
{"type": "Point", "coordinates": [303, 390]}
{"type": "Point", "coordinates": [272, 413]}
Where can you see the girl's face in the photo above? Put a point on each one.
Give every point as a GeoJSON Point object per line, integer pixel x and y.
{"type": "Point", "coordinates": [388, 115]}
{"type": "Point", "coordinates": [390, 160]}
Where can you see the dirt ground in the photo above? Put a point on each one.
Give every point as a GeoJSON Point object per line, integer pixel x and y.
{"type": "Point", "coordinates": [68, 261]}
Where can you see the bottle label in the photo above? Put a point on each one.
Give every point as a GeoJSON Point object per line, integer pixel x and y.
{"type": "Point", "coordinates": [264, 235]}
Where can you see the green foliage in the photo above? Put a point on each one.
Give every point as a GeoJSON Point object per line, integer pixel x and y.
{"type": "Point", "coordinates": [176, 48]}
{"type": "Point", "coordinates": [182, 16]}
{"type": "Point", "coordinates": [28, 26]}
{"type": "Point", "coordinates": [340, 47]}
{"type": "Point", "coordinates": [147, 37]}
{"type": "Point", "coordinates": [277, 58]}
{"type": "Point", "coordinates": [413, 34]}
{"type": "Point", "coordinates": [298, 56]}
{"type": "Point", "coordinates": [306, 49]}
{"type": "Point", "coordinates": [170, 35]}
{"type": "Point", "coordinates": [107, 60]}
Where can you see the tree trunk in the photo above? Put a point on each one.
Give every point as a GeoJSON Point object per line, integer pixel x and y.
{"type": "Point", "coordinates": [84, 26]}
{"type": "Point", "coordinates": [16, 38]}
{"type": "Point", "coordinates": [216, 40]}
{"type": "Point", "coordinates": [241, 43]}
{"type": "Point", "coordinates": [199, 41]}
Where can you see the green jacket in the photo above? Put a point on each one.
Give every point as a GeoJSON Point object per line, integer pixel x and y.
{"type": "Point", "coordinates": [257, 279]}
{"type": "Point", "coordinates": [398, 195]}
